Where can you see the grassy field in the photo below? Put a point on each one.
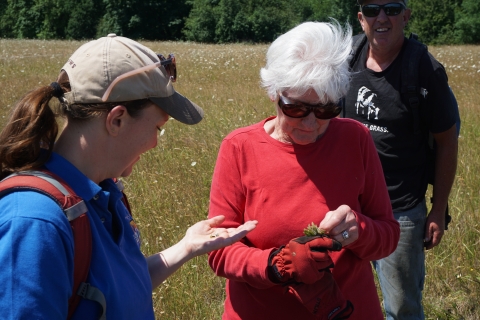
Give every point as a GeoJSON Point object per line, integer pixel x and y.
{"type": "Point", "coordinates": [169, 187]}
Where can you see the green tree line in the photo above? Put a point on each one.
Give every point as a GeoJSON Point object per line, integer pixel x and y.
{"type": "Point", "coordinates": [219, 21]}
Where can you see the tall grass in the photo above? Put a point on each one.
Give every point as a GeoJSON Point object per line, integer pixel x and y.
{"type": "Point", "coordinates": [169, 187]}
{"type": "Point", "coordinates": [452, 288]}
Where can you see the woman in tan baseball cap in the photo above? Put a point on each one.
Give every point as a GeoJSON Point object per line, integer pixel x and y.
{"type": "Point", "coordinates": [60, 198]}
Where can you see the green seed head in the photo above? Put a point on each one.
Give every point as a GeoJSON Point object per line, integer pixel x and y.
{"type": "Point", "coordinates": [312, 230]}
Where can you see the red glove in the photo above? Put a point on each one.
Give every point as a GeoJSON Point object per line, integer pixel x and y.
{"type": "Point", "coordinates": [323, 299]}
{"type": "Point", "coordinates": [302, 259]}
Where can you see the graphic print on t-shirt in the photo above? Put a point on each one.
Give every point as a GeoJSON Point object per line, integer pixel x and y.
{"type": "Point", "coordinates": [365, 105]}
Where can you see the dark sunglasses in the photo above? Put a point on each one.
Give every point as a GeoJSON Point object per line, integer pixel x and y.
{"type": "Point", "coordinates": [390, 9]}
{"type": "Point", "coordinates": [169, 64]}
{"type": "Point", "coordinates": [300, 110]}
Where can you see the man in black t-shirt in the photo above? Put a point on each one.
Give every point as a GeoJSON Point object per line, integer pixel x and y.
{"type": "Point", "coordinates": [375, 100]}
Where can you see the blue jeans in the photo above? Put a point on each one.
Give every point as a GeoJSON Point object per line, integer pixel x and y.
{"type": "Point", "coordinates": [402, 274]}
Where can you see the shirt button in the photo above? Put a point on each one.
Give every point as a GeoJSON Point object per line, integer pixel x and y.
{"type": "Point", "coordinates": [95, 197]}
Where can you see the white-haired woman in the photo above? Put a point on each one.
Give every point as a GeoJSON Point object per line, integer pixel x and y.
{"type": "Point", "coordinates": [301, 166]}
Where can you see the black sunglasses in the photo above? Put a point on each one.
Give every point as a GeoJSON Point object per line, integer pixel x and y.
{"type": "Point", "coordinates": [390, 9]}
{"type": "Point", "coordinates": [169, 64]}
{"type": "Point", "coordinates": [300, 110]}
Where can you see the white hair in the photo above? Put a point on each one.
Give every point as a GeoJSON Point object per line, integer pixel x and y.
{"type": "Point", "coordinates": [313, 55]}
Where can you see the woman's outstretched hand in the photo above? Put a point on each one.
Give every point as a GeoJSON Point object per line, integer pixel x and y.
{"type": "Point", "coordinates": [204, 236]}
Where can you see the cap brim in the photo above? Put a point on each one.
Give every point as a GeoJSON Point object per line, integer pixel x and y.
{"type": "Point", "coordinates": [180, 108]}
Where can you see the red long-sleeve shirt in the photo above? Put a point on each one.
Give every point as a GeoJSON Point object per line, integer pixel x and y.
{"type": "Point", "coordinates": [286, 187]}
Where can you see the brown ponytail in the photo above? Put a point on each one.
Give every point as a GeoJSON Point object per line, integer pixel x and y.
{"type": "Point", "coordinates": [32, 127]}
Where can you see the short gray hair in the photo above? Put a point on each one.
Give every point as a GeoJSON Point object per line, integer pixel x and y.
{"type": "Point", "coordinates": [313, 55]}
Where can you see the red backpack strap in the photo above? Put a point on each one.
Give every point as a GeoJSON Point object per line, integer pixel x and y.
{"type": "Point", "coordinates": [51, 185]}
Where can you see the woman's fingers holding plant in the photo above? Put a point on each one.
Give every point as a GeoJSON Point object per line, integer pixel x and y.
{"type": "Point", "coordinates": [341, 225]}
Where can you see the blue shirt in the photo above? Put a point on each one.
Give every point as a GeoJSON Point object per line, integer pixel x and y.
{"type": "Point", "coordinates": [36, 253]}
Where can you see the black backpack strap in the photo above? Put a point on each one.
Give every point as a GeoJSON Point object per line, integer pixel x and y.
{"type": "Point", "coordinates": [411, 90]}
{"type": "Point", "coordinates": [358, 41]}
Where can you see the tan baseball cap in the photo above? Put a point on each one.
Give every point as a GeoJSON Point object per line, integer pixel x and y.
{"type": "Point", "coordinates": [95, 65]}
